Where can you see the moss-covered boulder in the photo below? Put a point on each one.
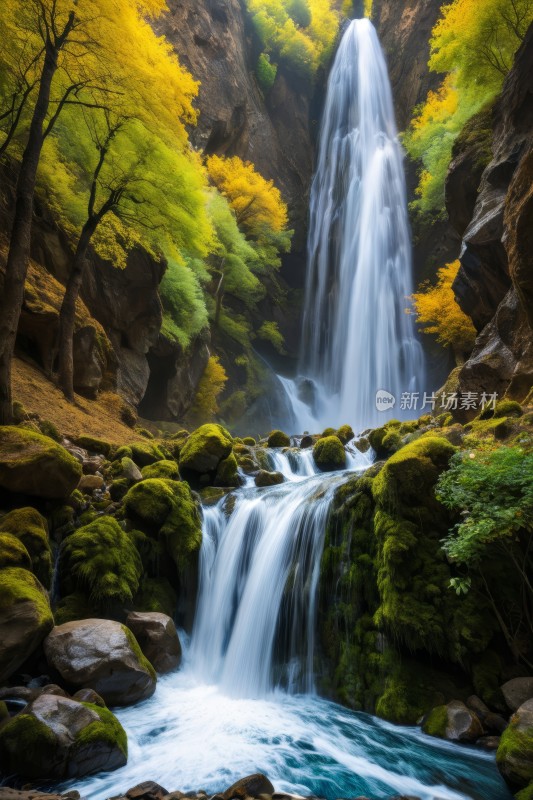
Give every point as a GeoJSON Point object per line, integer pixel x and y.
{"type": "Point", "coordinates": [167, 510]}
{"type": "Point", "coordinates": [158, 639]}
{"type": "Point", "coordinates": [162, 469]}
{"type": "Point", "coordinates": [25, 618]}
{"type": "Point", "coordinates": [101, 562]}
{"type": "Point", "coordinates": [32, 530]}
{"type": "Point", "coordinates": [329, 454]}
{"type": "Point", "coordinates": [142, 453]}
{"type": "Point", "coordinates": [265, 478]}
{"type": "Point", "coordinates": [345, 434]}
{"type": "Point", "coordinates": [58, 738]}
{"type": "Point", "coordinates": [102, 655]}
{"type": "Point", "coordinates": [156, 594]}
{"type": "Point", "coordinates": [33, 464]}
{"type": "Point", "coordinates": [202, 453]}
{"type": "Point", "coordinates": [13, 553]}
{"type": "Point", "coordinates": [278, 439]}
{"type": "Point", "coordinates": [455, 722]}
{"type": "Point", "coordinates": [227, 475]}
{"type": "Point", "coordinates": [515, 753]}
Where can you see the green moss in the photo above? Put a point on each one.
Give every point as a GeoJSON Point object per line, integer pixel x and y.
{"type": "Point", "coordinates": [166, 509]}
{"type": "Point", "coordinates": [436, 722]}
{"type": "Point", "coordinates": [18, 585]}
{"type": "Point", "coordinates": [515, 754]}
{"type": "Point", "coordinates": [101, 561]}
{"type": "Point", "coordinates": [386, 440]}
{"type": "Point", "coordinates": [162, 469]}
{"type": "Point", "coordinates": [74, 607]}
{"type": "Point", "coordinates": [156, 594]}
{"type": "Point", "coordinates": [278, 439]}
{"type": "Point", "coordinates": [144, 432]}
{"type": "Point", "coordinates": [139, 655]}
{"type": "Point", "coordinates": [119, 489]}
{"type": "Point", "coordinates": [93, 445]}
{"type": "Point", "coordinates": [328, 432]}
{"type": "Point", "coordinates": [108, 729]}
{"type": "Point", "coordinates": [525, 794]}
{"type": "Point", "coordinates": [508, 408]}
{"type": "Point", "coordinates": [329, 454]}
{"type": "Point", "coordinates": [227, 472]}
{"type": "Point", "coordinates": [48, 428]}
{"type": "Point", "coordinates": [13, 553]}
{"type": "Point", "coordinates": [203, 451]}
{"type": "Point", "coordinates": [32, 530]}
{"type": "Point", "coordinates": [142, 453]}
{"type": "Point", "coordinates": [25, 744]}
{"type": "Point", "coordinates": [345, 434]}
{"type": "Point", "coordinates": [76, 500]}
{"type": "Point", "coordinates": [249, 441]}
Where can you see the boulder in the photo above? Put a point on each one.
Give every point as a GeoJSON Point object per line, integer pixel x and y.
{"type": "Point", "coordinates": [32, 531]}
{"type": "Point", "coordinates": [515, 753]}
{"type": "Point", "coordinates": [58, 738]}
{"type": "Point", "coordinates": [102, 655]}
{"type": "Point", "coordinates": [88, 696]}
{"type": "Point", "coordinates": [264, 478]}
{"type": "Point", "coordinates": [517, 691]}
{"type": "Point", "coordinates": [148, 790]}
{"type": "Point", "coordinates": [13, 553]}
{"type": "Point", "coordinates": [251, 786]}
{"type": "Point", "coordinates": [203, 451]}
{"type": "Point", "coordinates": [455, 722]}
{"type": "Point", "coordinates": [278, 439]}
{"type": "Point", "coordinates": [329, 454]}
{"type": "Point", "coordinates": [90, 483]}
{"type": "Point", "coordinates": [158, 639]}
{"type": "Point", "coordinates": [25, 618]}
{"type": "Point", "coordinates": [33, 464]}
{"type": "Point", "coordinates": [489, 742]}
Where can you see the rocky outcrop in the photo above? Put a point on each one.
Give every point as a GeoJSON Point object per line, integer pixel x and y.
{"type": "Point", "coordinates": [102, 655]}
{"type": "Point", "coordinates": [494, 284]}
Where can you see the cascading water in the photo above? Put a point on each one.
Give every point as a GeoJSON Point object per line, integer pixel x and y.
{"type": "Point", "coordinates": [357, 336]}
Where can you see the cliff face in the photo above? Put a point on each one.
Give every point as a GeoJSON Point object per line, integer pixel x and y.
{"type": "Point", "coordinates": [495, 283]}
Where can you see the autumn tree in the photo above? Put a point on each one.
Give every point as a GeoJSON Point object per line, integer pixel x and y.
{"type": "Point", "coordinates": [438, 313]}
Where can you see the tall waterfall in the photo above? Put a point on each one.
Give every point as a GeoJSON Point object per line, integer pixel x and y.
{"type": "Point", "coordinates": [357, 336]}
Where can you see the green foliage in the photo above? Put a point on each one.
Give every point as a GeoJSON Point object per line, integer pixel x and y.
{"type": "Point", "coordinates": [474, 45]}
{"type": "Point", "coordinates": [494, 494]}
{"type": "Point", "coordinates": [184, 309]}
{"type": "Point", "coordinates": [266, 72]}
{"type": "Point", "coordinates": [270, 332]}
{"type": "Point", "coordinates": [101, 561]}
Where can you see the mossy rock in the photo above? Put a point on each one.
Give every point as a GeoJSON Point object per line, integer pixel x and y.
{"type": "Point", "coordinates": [48, 428]}
{"type": "Point", "coordinates": [162, 469]}
{"type": "Point", "coordinates": [278, 439]}
{"type": "Point", "coordinates": [228, 473]}
{"type": "Point", "coordinates": [25, 618]}
{"type": "Point", "coordinates": [33, 464]}
{"type": "Point", "coordinates": [119, 489]}
{"type": "Point", "coordinates": [32, 530]}
{"type": "Point", "coordinates": [515, 753]}
{"type": "Point", "coordinates": [58, 738]}
{"type": "Point", "coordinates": [13, 553]}
{"type": "Point", "coordinates": [249, 441]}
{"type": "Point", "coordinates": [144, 432]}
{"type": "Point", "coordinates": [142, 453]}
{"type": "Point", "coordinates": [525, 794]}
{"type": "Point", "coordinates": [329, 454]}
{"type": "Point", "coordinates": [101, 561]}
{"type": "Point", "coordinates": [73, 607]}
{"type": "Point", "coordinates": [264, 478]}
{"type": "Point", "coordinates": [156, 594]}
{"type": "Point", "coordinates": [386, 440]}
{"type": "Point", "coordinates": [504, 408]}
{"type": "Point", "coordinates": [93, 445]}
{"type": "Point", "coordinates": [212, 494]}
{"type": "Point", "coordinates": [166, 509]}
{"type": "Point", "coordinates": [328, 432]}
{"type": "Point", "coordinates": [436, 722]}
{"type": "Point", "coordinates": [345, 434]}
{"type": "Point", "coordinates": [202, 453]}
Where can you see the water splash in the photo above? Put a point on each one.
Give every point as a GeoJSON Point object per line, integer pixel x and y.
{"type": "Point", "coordinates": [357, 336]}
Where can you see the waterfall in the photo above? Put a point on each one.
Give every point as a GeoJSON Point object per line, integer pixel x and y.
{"type": "Point", "coordinates": [357, 337]}
{"type": "Point", "coordinates": [259, 572]}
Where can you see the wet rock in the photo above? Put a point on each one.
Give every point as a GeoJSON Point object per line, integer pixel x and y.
{"type": "Point", "coordinates": [7, 793]}
{"type": "Point", "coordinates": [58, 738]}
{"type": "Point", "coordinates": [306, 442]}
{"type": "Point", "coordinates": [252, 786]}
{"type": "Point", "coordinates": [495, 723]}
{"type": "Point", "coordinates": [158, 639]}
{"type": "Point", "coordinates": [477, 705]}
{"type": "Point", "coordinates": [102, 655]}
{"type": "Point", "coordinates": [489, 742]}
{"type": "Point", "coordinates": [148, 790]}
{"type": "Point", "coordinates": [517, 691]}
{"type": "Point", "coordinates": [265, 478]}
{"type": "Point", "coordinates": [278, 439]}
{"type": "Point", "coordinates": [92, 465]}
{"type": "Point", "coordinates": [88, 696]}
{"type": "Point", "coordinates": [455, 722]}
{"type": "Point", "coordinates": [515, 753]}
{"type": "Point", "coordinates": [91, 483]}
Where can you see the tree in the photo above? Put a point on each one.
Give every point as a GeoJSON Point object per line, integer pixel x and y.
{"type": "Point", "coordinates": [493, 493]}
{"type": "Point", "coordinates": [93, 56]}
{"type": "Point", "coordinates": [438, 312]}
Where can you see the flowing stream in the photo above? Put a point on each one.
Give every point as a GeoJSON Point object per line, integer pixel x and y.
{"type": "Point", "coordinates": [357, 337]}
{"type": "Point", "coordinates": [244, 700]}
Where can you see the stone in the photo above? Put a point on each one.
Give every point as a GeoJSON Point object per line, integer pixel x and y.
{"type": "Point", "coordinates": [278, 439]}
{"type": "Point", "coordinates": [455, 722]}
{"type": "Point", "coordinates": [33, 464]}
{"type": "Point", "coordinates": [25, 618]}
{"type": "Point", "coordinates": [58, 738]}
{"type": "Point", "coordinates": [7, 793]}
{"type": "Point", "coordinates": [158, 639]}
{"type": "Point", "coordinates": [102, 655]}
{"type": "Point", "coordinates": [265, 478]}
{"type": "Point", "coordinates": [477, 705]}
{"type": "Point", "coordinates": [517, 691]}
{"type": "Point", "coordinates": [495, 723]}
{"type": "Point", "coordinates": [203, 451]}
{"type": "Point", "coordinates": [489, 742]}
{"type": "Point", "coordinates": [91, 483]}
{"type": "Point", "coordinates": [92, 464]}
{"type": "Point", "coordinates": [251, 786]}
{"type": "Point", "coordinates": [88, 696]}
{"type": "Point", "coordinates": [515, 753]}
{"type": "Point", "coordinates": [148, 790]}
{"type": "Point", "coordinates": [329, 454]}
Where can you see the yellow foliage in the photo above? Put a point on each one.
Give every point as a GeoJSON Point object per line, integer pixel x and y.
{"type": "Point", "coordinates": [256, 202]}
{"type": "Point", "coordinates": [438, 312]}
{"type": "Point", "coordinates": [210, 388]}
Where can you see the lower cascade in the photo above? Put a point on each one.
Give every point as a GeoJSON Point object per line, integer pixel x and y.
{"type": "Point", "coordinates": [244, 701]}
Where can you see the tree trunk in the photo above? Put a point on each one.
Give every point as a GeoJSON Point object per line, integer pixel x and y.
{"type": "Point", "coordinates": [19, 246]}
{"type": "Point", "coordinates": [67, 314]}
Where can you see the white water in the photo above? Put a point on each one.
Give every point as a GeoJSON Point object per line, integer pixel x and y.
{"type": "Point", "coordinates": [357, 336]}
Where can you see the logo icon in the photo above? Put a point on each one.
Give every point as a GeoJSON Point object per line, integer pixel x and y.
{"type": "Point", "coordinates": [385, 401]}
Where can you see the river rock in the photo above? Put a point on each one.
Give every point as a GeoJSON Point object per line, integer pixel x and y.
{"type": "Point", "coordinates": [489, 742]}
{"type": "Point", "coordinates": [204, 450]}
{"type": "Point", "coordinates": [25, 620]}
{"type": "Point", "coordinates": [455, 722]}
{"type": "Point", "coordinates": [33, 464]}
{"type": "Point", "coordinates": [265, 478]}
{"type": "Point", "coordinates": [517, 691]}
{"type": "Point", "coordinates": [148, 790]}
{"type": "Point", "coordinates": [7, 793]}
{"type": "Point", "coordinates": [102, 655]}
{"type": "Point", "coordinates": [58, 738]}
{"type": "Point", "coordinates": [90, 483]}
{"type": "Point", "coordinates": [158, 639]}
{"type": "Point", "coordinates": [252, 786]}
{"type": "Point", "coordinates": [515, 753]}
{"type": "Point", "coordinates": [88, 696]}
